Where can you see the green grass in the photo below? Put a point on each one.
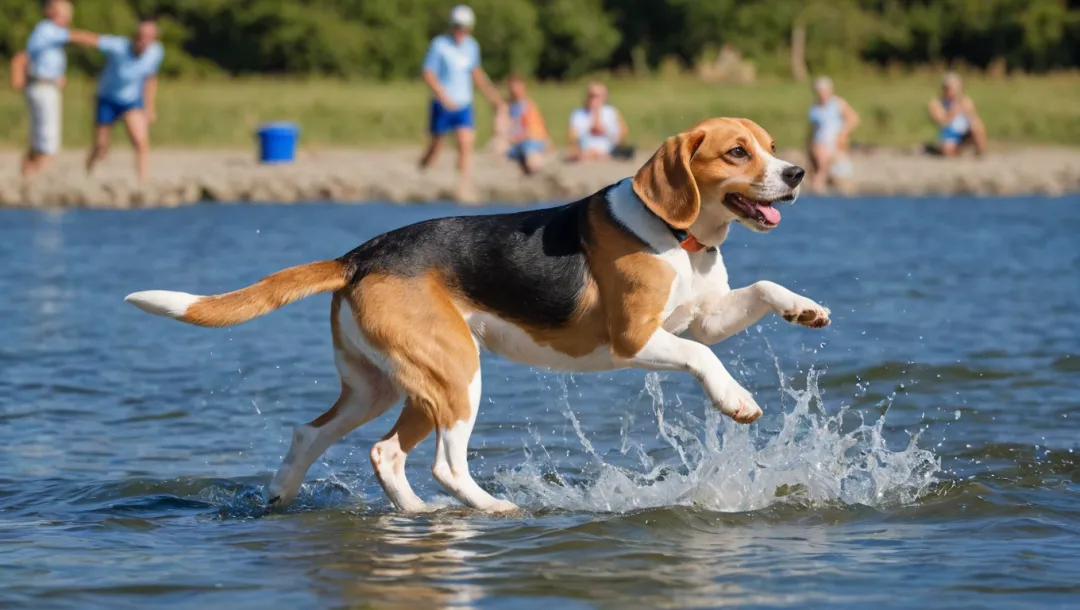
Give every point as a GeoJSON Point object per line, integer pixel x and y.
{"type": "Point", "coordinates": [224, 113]}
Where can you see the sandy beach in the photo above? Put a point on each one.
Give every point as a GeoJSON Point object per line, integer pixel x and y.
{"type": "Point", "coordinates": [181, 177]}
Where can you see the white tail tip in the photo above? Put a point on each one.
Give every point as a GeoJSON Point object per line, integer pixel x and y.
{"type": "Point", "coordinates": [162, 302]}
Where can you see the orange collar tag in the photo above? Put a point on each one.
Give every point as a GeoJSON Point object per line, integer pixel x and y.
{"type": "Point", "coordinates": [691, 244]}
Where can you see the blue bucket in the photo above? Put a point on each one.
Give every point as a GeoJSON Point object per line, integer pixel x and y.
{"type": "Point", "coordinates": [277, 142]}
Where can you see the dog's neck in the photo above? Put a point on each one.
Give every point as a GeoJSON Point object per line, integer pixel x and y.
{"type": "Point", "coordinates": [631, 212]}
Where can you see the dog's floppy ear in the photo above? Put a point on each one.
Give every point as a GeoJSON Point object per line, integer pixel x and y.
{"type": "Point", "coordinates": [666, 184]}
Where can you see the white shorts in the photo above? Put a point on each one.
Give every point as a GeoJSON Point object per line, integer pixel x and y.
{"type": "Point", "coordinates": [44, 102]}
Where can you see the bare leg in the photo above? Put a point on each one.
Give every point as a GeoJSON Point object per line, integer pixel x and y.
{"type": "Point", "coordinates": [432, 152]}
{"type": "Point", "coordinates": [365, 395]}
{"type": "Point", "coordinates": [138, 129]}
{"type": "Point", "coordinates": [948, 148]}
{"type": "Point", "coordinates": [734, 311]}
{"type": "Point", "coordinates": [100, 146]}
{"type": "Point", "coordinates": [533, 162]}
{"type": "Point", "coordinates": [466, 140]}
{"type": "Point", "coordinates": [821, 157]}
{"type": "Point", "coordinates": [666, 352]}
{"type": "Point", "coordinates": [33, 163]}
{"type": "Point", "coordinates": [388, 455]}
{"type": "Point", "coordinates": [451, 467]}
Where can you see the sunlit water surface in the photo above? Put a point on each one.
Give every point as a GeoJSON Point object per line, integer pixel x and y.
{"type": "Point", "coordinates": [920, 451]}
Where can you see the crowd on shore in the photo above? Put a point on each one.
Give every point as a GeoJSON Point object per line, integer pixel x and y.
{"type": "Point", "coordinates": [597, 135]}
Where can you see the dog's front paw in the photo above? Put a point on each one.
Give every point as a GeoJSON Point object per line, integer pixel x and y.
{"type": "Point", "coordinates": [739, 405]}
{"type": "Point", "coordinates": [807, 313]}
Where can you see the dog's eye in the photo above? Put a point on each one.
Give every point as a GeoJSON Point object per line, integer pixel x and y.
{"type": "Point", "coordinates": [774, 147]}
{"type": "Point", "coordinates": [738, 152]}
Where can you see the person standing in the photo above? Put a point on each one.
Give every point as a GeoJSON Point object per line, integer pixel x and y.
{"type": "Point", "coordinates": [127, 91]}
{"type": "Point", "coordinates": [832, 120]}
{"type": "Point", "coordinates": [451, 68]}
{"type": "Point", "coordinates": [39, 72]}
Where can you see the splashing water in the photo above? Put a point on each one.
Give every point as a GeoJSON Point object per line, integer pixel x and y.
{"type": "Point", "coordinates": [810, 460]}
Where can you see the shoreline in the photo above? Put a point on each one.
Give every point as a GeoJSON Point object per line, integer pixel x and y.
{"type": "Point", "coordinates": [190, 176]}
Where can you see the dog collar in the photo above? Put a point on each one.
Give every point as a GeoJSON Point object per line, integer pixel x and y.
{"type": "Point", "coordinates": [687, 241]}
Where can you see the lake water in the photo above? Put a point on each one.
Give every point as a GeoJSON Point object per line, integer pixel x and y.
{"type": "Point", "coordinates": [918, 452]}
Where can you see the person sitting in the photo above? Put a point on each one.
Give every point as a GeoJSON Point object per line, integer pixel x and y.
{"type": "Point", "coordinates": [528, 136]}
{"type": "Point", "coordinates": [955, 114]}
{"type": "Point", "coordinates": [597, 130]}
{"type": "Point", "coordinates": [832, 120]}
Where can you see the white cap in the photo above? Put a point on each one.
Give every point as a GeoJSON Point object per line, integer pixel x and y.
{"type": "Point", "coordinates": [462, 16]}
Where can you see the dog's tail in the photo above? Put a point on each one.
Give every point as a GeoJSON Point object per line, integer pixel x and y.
{"type": "Point", "coordinates": [266, 295]}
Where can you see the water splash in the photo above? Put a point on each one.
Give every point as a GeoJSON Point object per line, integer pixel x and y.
{"type": "Point", "coordinates": [812, 459]}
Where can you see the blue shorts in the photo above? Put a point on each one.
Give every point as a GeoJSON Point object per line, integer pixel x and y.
{"type": "Point", "coordinates": [109, 112]}
{"type": "Point", "coordinates": [948, 134]}
{"type": "Point", "coordinates": [518, 151]}
{"type": "Point", "coordinates": [443, 120]}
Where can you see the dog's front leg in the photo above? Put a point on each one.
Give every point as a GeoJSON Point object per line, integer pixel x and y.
{"type": "Point", "coordinates": [724, 315]}
{"type": "Point", "coordinates": [666, 352]}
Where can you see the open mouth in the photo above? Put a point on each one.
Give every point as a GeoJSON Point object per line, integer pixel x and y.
{"type": "Point", "coordinates": [757, 210]}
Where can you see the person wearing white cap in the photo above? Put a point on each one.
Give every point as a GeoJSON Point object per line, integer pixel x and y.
{"type": "Point", "coordinates": [451, 68]}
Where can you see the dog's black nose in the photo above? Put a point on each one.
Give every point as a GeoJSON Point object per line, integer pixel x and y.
{"type": "Point", "coordinates": [793, 175]}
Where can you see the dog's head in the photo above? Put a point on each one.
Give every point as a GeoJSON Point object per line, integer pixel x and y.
{"type": "Point", "coordinates": [718, 171]}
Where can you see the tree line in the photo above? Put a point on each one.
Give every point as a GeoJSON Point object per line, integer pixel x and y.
{"type": "Point", "coordinates": [386, 39]}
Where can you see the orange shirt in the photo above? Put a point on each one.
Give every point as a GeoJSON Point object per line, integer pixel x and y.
{"type": "Point", "coordinates": [526, 123]}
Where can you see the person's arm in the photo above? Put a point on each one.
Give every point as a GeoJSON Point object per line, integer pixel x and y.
{"type": "Point", "coordinates": [150, 98]}
{"type": "Point", "coordinates": [83, 38]}
{"type": "Point", "coordinates": [431, 60]}
{"type": "Point", "coordinates": [480, 78]}
{"type": "Point", "coordinates": [851, 121]}
{"type": "Point", "coordinates": [937, 113]}
{"type": "Point", "coordinates": [19, 64]}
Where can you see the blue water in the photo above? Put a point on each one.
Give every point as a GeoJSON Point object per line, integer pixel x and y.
{"type": "Point", "coordinates": [918, 452]}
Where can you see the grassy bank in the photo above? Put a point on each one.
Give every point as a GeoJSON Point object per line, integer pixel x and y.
{"type": "Point", "coordinates": [336, 113]}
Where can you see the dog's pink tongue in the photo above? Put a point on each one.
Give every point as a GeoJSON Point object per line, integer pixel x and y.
{"type": "Point", "coordinates": [771, 214]}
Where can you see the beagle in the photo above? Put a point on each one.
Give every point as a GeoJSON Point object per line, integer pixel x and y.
{"type": "Point", "coordinates": [611, 281]}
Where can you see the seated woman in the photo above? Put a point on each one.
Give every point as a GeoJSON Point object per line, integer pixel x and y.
{"type": "Point", "coordinates": [832, 120]}
{"type": "Point", "coordinates": [528, 135]}
{"type": "Point", "coordinates": [955, 114]}
{"type": "Point", "coordinates": [596, 130]}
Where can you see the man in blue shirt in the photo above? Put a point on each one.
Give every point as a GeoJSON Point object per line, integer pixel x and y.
{"type": "Point", "coordinates": [127, 91]}
{"type": "Point", "coordinates": [451, 68]}
{"type": "Point", "coordinates": [39, 71]}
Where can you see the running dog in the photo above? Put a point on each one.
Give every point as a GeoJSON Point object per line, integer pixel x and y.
{"type": "Point", "coordinates": [611, 281]}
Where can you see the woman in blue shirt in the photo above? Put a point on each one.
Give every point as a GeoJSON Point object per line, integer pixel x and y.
{"type": "Point", "coordinates": [832, 120]}
{"type": "Point", "coordinates": [451, 68]}
{"type": "Point", "coordinates": [127, 90]}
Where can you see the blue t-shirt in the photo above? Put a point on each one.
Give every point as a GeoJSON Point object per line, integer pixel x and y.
{"type": "Point", "coordinates": [453, 65]}
{"type": "Point", "coordinates": [45, 48]}
{"type": "Point", "coordinates": [122, 79]}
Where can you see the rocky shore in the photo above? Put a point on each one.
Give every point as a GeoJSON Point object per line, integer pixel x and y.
{"type": "Point", "coordinates": [181, 177]}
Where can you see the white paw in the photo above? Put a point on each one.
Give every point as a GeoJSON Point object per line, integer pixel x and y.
{"type": "Point", "coordinates": [806, 313]}
{"type": "Point", "coordinates": [501, 506]}
{"type": "Point", "coordinates": [739, 405]}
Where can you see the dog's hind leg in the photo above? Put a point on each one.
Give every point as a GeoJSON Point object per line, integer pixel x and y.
{"type": "Point", "coordinates": [451, 467]}
{"type": "Point", "coordinates": [388, 455]}
{"type": "Point", "coordinates": [366, 393]}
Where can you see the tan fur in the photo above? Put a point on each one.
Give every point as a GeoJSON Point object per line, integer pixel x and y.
{"type": "Point", "coordinates": [433, 358]}
{"type": "Point", "coordinates": [633, 284]}
{"type": "Point", "coordinates": [270, 293]}
{"type": "Point", "coordinates": [666, 183]}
